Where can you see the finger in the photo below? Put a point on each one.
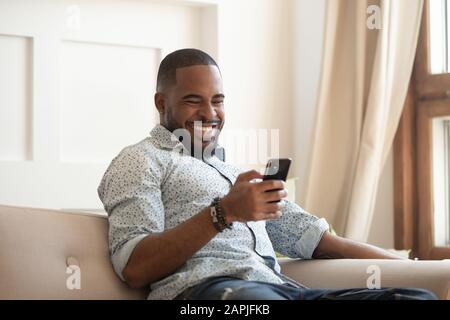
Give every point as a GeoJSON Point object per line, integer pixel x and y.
{"type": "Point", "coordinates": [270, 185]}
{"type": "Point", "coordinates": [271, 216]}
{"type": "Point", "coordinates": [272, 207]}
{"type": "Point", "coordinates": [275, 195]}
{"type": "Point", "coordinates": [249, 175]}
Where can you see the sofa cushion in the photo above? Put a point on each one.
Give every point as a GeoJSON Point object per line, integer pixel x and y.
{"type": "Point", "coordinates": [36, 247]}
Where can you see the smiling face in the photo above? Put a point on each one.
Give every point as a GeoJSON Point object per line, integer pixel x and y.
{"type": "Point", "coordinates": [195, 102]}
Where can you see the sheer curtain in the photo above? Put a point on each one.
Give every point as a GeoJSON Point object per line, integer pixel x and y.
{"type": "Point", "coordinates": [364, 80]}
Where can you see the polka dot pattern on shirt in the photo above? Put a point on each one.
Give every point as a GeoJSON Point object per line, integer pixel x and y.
{"type": "Point", "coordinates": [150, 187]}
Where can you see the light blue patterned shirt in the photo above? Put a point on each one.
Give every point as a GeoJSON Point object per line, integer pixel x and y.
{"type": "Point", "coordinates": [150, 187]}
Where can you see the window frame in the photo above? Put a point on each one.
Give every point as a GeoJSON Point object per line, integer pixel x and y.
{"type": "Point", "coordinates": [428, 97]}
{"type": "Point", "coordinates": [428, 85]}
{"type": "Point", "coordinates": [426, 111]}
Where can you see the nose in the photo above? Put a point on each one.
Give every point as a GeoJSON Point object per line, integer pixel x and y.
{"type": "Point", "coordinates": [208, 112]}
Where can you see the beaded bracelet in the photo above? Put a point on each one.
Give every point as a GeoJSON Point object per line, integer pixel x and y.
{"type": "Point", "coordinates": [218, 216]}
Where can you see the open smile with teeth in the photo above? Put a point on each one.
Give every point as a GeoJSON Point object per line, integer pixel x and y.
{"type": "Point", "coordinates": [206, 132]}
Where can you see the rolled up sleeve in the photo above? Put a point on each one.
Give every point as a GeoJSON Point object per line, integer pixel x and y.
{"type": "Point", "coordinates": [131, 195]}
{"type": "Point", "coordinates": [297, 233]}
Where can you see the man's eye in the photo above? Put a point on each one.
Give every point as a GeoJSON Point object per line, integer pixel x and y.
{"type": "Point", "coordinates": [192, 101]}
{"type": "Point", "coordinates": [218, 102]}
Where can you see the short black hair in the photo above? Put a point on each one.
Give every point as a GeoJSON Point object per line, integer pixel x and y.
{"type": "Point", "coordinates": [180, 59]}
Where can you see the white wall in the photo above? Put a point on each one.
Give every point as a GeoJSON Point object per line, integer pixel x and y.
{"type": "Point", "coordinates": [77, 79]}
{"type": "Point", "coordinates": [308, 21]}
{"type": "Point", "coordinates": [255, 57]}
{"type": "Point", "coordinates": [91, 68]}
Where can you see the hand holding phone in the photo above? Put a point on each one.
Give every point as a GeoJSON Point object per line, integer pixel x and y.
{"type": "Point", "coordinates": [252, 200]}
{"type": "Point", "coordinates": [277, 169]}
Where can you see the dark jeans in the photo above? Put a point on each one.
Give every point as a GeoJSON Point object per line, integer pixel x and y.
{"type": "Point", "coordinates": [227, 288]}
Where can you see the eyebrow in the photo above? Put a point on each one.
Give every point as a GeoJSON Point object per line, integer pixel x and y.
{"type": "Point", "coordinates": [196, 96]}
{"type": "Point", "coordinates": [219, 95]}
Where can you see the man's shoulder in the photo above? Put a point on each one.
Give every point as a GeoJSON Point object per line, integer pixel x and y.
{"type": "Point", "coordinates": [137, 158]}
{"type": "Point", "coordinates": [141, 153]}
{"type": "Point", "coordinates": [131, 163]}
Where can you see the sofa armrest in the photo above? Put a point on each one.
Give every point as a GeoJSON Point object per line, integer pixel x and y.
{"type": "Point", "coordinates": [354, 273]}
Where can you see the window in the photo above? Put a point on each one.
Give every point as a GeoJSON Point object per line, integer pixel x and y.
{"type": "Point", "coordinates": [439, 36]}
{"type": "Point", "coordinates": [422, 144]}
{"type": "Point", "coordinates": [441, 180]}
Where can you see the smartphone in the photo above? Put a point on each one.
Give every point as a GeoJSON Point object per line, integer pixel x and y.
{"type": "Point", "coordinates": [277, 169]}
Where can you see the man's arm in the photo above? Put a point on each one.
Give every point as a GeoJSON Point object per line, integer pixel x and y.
{"type": "Point", "coordinates": [160, 254]}
{"type": "Point", "coordinates": [335, 247]}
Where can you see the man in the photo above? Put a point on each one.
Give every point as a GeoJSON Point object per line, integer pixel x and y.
{"type": "Point", "coordinates": [195, 227]}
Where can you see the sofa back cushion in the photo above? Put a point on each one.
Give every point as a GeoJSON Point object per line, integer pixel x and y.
{"type": "Point", "coordinates": [36, 247]}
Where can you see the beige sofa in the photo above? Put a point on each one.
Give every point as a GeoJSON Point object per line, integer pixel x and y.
{"type": "Point", "coordinates": [36, 246]}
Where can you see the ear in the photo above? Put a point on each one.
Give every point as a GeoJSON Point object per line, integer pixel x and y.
{"type": "Point", "coordinates": [160, 102]}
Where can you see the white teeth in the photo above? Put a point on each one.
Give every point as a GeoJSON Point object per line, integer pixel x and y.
{"type": "Point", "coordinates": [206, 133]}
{"type": "Point", "coordinates": [204, 129]}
